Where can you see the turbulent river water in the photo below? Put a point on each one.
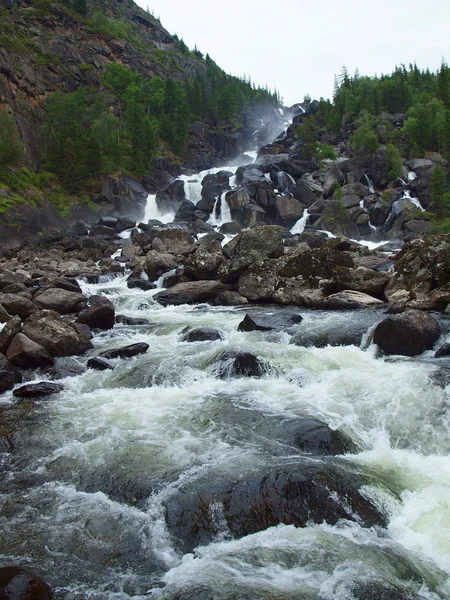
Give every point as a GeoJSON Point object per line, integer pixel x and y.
{"type": "Point", "coordinates": [84, 493]}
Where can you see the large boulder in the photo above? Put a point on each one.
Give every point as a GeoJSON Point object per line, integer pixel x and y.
{"type": "Point", "coordinates": [259, 281]}
{"type": "Point", "coordinates": [348, 300]}
{"type": "Point", "coordinates": [60, 300]}
{"type": "Point", "coordinates": [379, 168]}
{"type": "Point", "coordinates": [15, 304]}
{"type": "Point", "coordinates": [175, 240]}
{"type": "Point", "coordinates": [289, 209]}
{"type": "Point", "coordinates": [58, 336]}
{"type": "Point", "coordinates": [19, 583]}
{"type": "Point", "coordinates": [27, 354]}
{"type": "Point", "coordinates": [263, 241]}
{"type": "Point", "coordinates": [157, 263]}
{"type": "Point", "coordinates": [422, 273]}
{"type": "Point", "coordinates": [191, 292]}
{"type": "Point", "coordinates": [297, 494]}
{"type": "Point", "coordinates": [205, 262]}
{"type": "Point", "coordinates": [409, 333]}
{"type": "Point", "coordinates": [99, 315]}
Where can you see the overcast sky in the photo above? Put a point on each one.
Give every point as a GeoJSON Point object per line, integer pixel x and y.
{"type": "Point", "coordinates": [297, 47]}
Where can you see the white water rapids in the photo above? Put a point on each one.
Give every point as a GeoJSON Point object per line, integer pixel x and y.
{"type": "Point", "coordinates": [84, 491]}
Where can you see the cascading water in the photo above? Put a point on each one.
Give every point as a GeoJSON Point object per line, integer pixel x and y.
{"type": "Point", "coordinates": [221, 212]}
{"type": "Point", "coordinates": [299, 227]}
{"type": "Point", "coordinates": [86, 490]}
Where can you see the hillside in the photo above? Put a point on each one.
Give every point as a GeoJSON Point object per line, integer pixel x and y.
{"type": "Point", "coordinates": [101, 87]}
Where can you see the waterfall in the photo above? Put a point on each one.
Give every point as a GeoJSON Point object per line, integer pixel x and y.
{"type": "Point", "coordinates": [415, 201]}
{"type": "Point", "coordinates": [221, 212]}
{"type": "Point", "coordinates": [152, 211]}
{"type": "Point", "coordinates": [299, 227]}
{"type": "Point", "coordinates": [369, 184]}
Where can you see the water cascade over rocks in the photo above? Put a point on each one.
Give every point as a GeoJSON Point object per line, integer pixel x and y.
{"type": "Point", "coordinates": [215, 436]}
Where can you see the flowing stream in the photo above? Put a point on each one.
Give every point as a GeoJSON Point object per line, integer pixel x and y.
{"type": "Point", "coordinates": [85, 490]}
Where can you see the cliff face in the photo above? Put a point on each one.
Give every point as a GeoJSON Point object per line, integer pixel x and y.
{"type": "Point", "coordinates": [46, 47]}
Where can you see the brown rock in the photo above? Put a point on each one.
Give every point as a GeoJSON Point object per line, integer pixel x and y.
{"type": "Point", "coordinates": [17, 305]}
{"type": "Point", "coordinates": [25, 353]}
{"type": "Point", "coordinates": [60, 300]}
{"type": "Point", "coordinates": [100, 314]}
{"type": "Point", "coordinates": [58, 336]}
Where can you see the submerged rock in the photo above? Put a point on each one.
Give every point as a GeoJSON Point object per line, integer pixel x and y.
{"type": "Point", "coordinates": [19, 583]}
{"type": "Point", "coordinates": [239, 364]}
{"type": "Point", "coordinates": [126, 351]}
{"type": "Point", "coordinates": [296, 494]}
{"type": "Point", "coordinates": [276, 321]}
{"type": "Point", "coordinates": [98, 364]}
{"type": "Point", "coordinates": [201, 334]}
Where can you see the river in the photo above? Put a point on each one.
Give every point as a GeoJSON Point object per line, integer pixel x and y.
{"type": "Point", "coordinates": [85, 491]}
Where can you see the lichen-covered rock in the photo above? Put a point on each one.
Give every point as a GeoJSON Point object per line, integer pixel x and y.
{"type": "Point", "coordinates": [58, 336]}
{"type": "Point", "coordinates": [422, 273]}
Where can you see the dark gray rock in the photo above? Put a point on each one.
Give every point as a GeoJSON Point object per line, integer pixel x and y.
{"type": "Point", "coordinates": [99, 315]}
{"type": "Point", "coordinates": [19, 583]}
{"type": "Point", "coordinates": [35, 390]}
{"type": "Point", "coordinates": [275, 321]}
{"type": "Point", "coordinates": [239, 364]}
{"type": "Point", "coordinates": [99, 364]}
{"type": "Point", "coordinates": [201, 334]}
{"type": "Point", "coordinates": [408, 334]}
{"type": "Point", "coordinates": [126, 351]}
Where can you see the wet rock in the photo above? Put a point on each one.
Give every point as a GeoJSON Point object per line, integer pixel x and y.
{"type": "Point", "coordinates": [9, 331]}
{"type": "Point", "coordinates": [201, 334]}
{"type": "Point", "coordinates": [126, 351]}
{"type": "Point", "coordinates": [140, 284]}
{"type": "Point", "coordinates": [9, 375]}
{"type": "Point", "coordinates": [19, 583]}
{"type": "Point", "coordinates": [444, 350]}
{"type": "Point", "coordinates": [239, 364]}
{"type": "Point", "coordinates": [35, 390]}
{"type": "Point", "coordinates": [65, 367]}
{"type": "Point", "coordinates": [296, 494]}
{"type": "Point", "coordinates": [124, 320]}
{"type": "Point", "coordinates": [339, 332]}
{"type": "Point", "coordinates": [156, 264]}
{"type": "Point", "coordinates": [289, 209]}
{"type": "Point", "coordinates": [27, 354]}
{"type": "Point", "coordinates": [275, 321]}
{"type": "Point", "coordinates": [17, 305]}
{"type": "Point", "coordinates": [374, 590]}
{"type": "Point", "coordinates": [58, 336]}
{"type": "Point", "coordinates": [170, 198]}
{"type": "Point", "coordinates": [315, 437]}
{"type": "Point", "coordinates": [192, 292]}
{"type": "Point", "coordinates": [99, 364]}
{"type": "Point", "coordinates": [348, 300]}
{"type": "Point", "coordinates": [99, 315]}
{"type": "Point", "coordinates": [408, 334]}
{"type": "Point", "coordinates": [60, 300]}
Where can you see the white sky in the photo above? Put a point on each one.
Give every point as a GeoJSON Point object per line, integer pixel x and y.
{"type": "Point", "coordinates": [297, 47]}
